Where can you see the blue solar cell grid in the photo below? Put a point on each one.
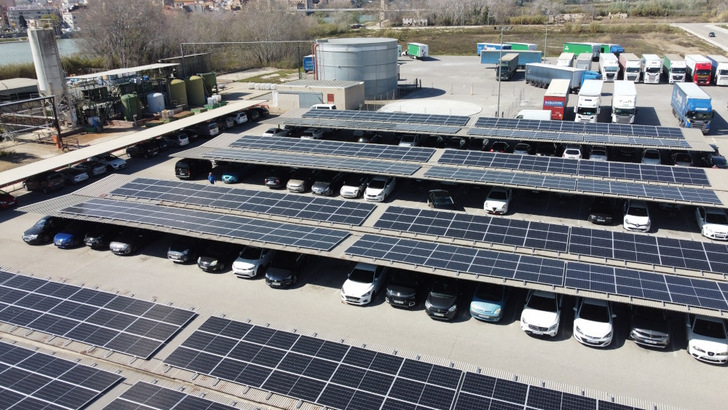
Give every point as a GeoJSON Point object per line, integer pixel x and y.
{"type": "Point", "coordinates": [394, 117]}
{"type": "Point", "coordinates": [593, 139]}
{"type": "Point", "coordinates": [582, 128]}
{"type": "Point", "coordinates": [371, 125]}
{"type": "Point", "coordinates": [247, 200]}
{"type": "Point", "coordinates": [153, 397]}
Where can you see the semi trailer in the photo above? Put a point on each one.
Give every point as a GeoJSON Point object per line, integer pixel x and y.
{"type": "Point", "coordinates": [624, 102]}
{"type": "Point", "coordinates": [651, 68]}
{"type": "Point", "coordinates": [630, 66]}
{"type": "Point", "coordinates": [524, 56]}
{"type": "Point", "coordinates": [698, 69]}
{"type": "Point", "coordinates": [719, 69]}
{"type": "Point", "coordinates": [541, 75]}
{"type": "Point", "coordinates": [588, 106]}
{"type": "Point", "coordinates": [673, 68]}
{"type": "Point", "coordinates": [417, 50]}
{"type": "Point", "coordinates": [691, 106]}
{"type": "Point", "coordinates": [556, 98]}
{"type": "Point", "coordinates": [608, 66]}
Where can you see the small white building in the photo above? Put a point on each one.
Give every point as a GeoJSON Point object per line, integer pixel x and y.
{"type": "Point", "coordinates": [346, 95]}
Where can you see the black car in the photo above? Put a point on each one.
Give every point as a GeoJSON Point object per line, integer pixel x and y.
{"type": "Point", "coordinates": [99, 236]}
{"type": "Point", "coordinates": [457, 142]}
{"type": "Point", "coordinates": [129, 241]}
{"type": "Point", "coordinates": [601, 211]}
{"type": "Point", "coordinates": [441, 302]}
{"type": "Point", "coordinates": [45, 182]}
{"type": "Point", "coordinates": [43, 230]}
{"type": "Point", "coordinates": [546, 149]}
{"type": "Point", "coordinates": [277, 178]}
{"type": "Point", "coordinates": [216, 257]}
{"type": "Point", "coordinates": [143, 149]}
{"type": "Point", "coordinates": [499, 146]}
{"type": "Point", "coordinates": [183, 250]}
{"type": "Point", "coordinates": [440, 199]}
{"type": "Point", "coordinates": [402, 288]}
{"type": "Point", "coordinates": [711, 34]}
{"type": "Point", "coordinates": [649, 327]}
{"type": "Point", "coordinates": [283, 269]}
{"type": "Point", "coordinates": [191, 168]}
{"type": "Point", "coordinates": [256, 113]}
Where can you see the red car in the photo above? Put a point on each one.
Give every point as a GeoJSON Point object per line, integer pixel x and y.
{"type": "Point", "coordinates": [7, 200]}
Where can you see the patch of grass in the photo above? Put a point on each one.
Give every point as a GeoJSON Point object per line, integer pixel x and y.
{"type": "Point", "coordinates": [276, 77]}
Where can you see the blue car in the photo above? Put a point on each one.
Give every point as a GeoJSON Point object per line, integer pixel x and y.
{"type": "Point", "coordinates": [488, 302]}
{"type": "Point", "coordinates": [71, 236]}
{"type": "Point", "coordinates": [235, 173]}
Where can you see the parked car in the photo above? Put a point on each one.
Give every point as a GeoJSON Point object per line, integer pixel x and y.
{"type": "Point", "coordinates": [312, 134]}
{"type": "Point", "coordinates": [276, 132]}
{"type": "Point", "coordinates": [499, 146]}
{"type": "Point", "coordinates": [112, 162]}
{"type": "Point", "coordinates": [440, 199]}
{"type": "Point", "coordinates": [402, 288]}
{"type": "Point", "coordinates": [593, 322]}
{"type": "Point", "coordinates": [234, 173]}
{"type": "Point", "coordinates": [541, 313]}
{"type": "Point", "coordinates": [353, 185]}
{"type": "Point", "coordinates": [651, 156]}
{"type": "Point", "coordinates": [456, 142]}
{"type": "Point", "coordinates": [255, 114]}
{"type": "Point", "coordinates": [251, 261]}
{"type": "Point", "coordinates": [649, 327]}
{"type": "Point", "coordinates": [7, 200]}
{"type": "Point", "coordinates": [442, 299]}
{"type": "Point", "coordinates": [363, 283]}
{"type": "Point", "coordinates": [99, 236]}
{"type": "Point", "coordinates": [43, 230]}
{"type": "Point", "coordinates": [601, 211]}
{"type": "Point", "coordinates": [161, 143]}
{"type": "Point", "coordinates": [191, 168]}
{"type": "Point", "coordinates": [178, 139]}
{"type": "Point", "coordinates": [327, 183]}
{"type": "Point", "coordinates": [283, 269]}
{"type": "Point", "coordinates": [379, 188]}
{"type": "Point", "coordinates": [598, 153]}
{"type": "Point", "coordinates": [143, 149]}
{"type": "Point", "coordinates": [488, 302]}
{"type": "Point", "coordinates": [409, 140]}
{"type": "Point", "coordinates": [707, 339]}
{"type": "Point", "coordinates": [572, 152]}
{"type": "Point", "coordinates": [682, 159]}
{"type": "Point", "coordinates": [71, 235]}
{"type": "Point", "coordinates": [713, 222]}
{"type": "Point", "coordinates": [129, 241]}
{"type": "Point", "coordinates": [73, 176]}
{"type": "Point", "coordinates": [93, 168]}
{"type": "Point", "coordinates": [240, 118]}
{"type": "Point", "coordinates": [546, 149]}
{"type": "Point", "coordinates": [183, 249]}
{"type": "Point", "coordinates": [636, 216]}
{"type": "Point", "coordinates": [277, 178]}
{"type": "Point", "coordinates": [523, 148]}
{"type": "Point", "coordinates": [300, 181]}
{"type": "Point", "coordinates": [45, 182]}
{"type": "Point", "coordinates": [215, 257]}
{"type": "Point", "coordinates": [498, 200]}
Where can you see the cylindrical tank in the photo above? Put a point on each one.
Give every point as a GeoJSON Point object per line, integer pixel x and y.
{"type": "Point", "coordinates": [196, 91]}
{"type": "Point", "coordinates": [130, 106]}
{"type": "Point", "coordinates": [48, 68]}
{"type": "Point", "coordinates": [178, 92]}
{"type": "Point", "coordinates": [372, 60]}
{"type": "Point", "coordinates": [155, 102]}
{"type": "Point", "coordinates": [210, 81]}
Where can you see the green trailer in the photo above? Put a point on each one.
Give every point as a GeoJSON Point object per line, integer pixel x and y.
{"type": "Point", "coordinates": [417, 50]}
{"type": "Point", "coordinates": [522, 46]}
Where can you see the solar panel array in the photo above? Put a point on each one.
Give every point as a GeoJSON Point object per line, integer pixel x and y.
{"type": "Point", "coordinates": [119, 323]}
{"type": "Point", "coordinates": [674, 289]}
{"type": "Point", "coordinates": [153, 397]}
{"type": "Point", "coordinates": [313, 161]}
{"type": "Point", "coordinates": [337, 148]}
{"type": "Point", "coordinates": [395, 117]}
{"type": "Point", "coordinates": [248, 200]}
{"type": "Point", "coordinates": [553, 165]}
{"type": "Point", "coordinates": [230, 226]}
{"type": "Point", "coordinates": [567, 137]}
{"type": "Point", "coordinates": [371, 125]}
{"type": "Point", "coordinates": [685, 195]}
{"type": "Point", "coordinates": [652, 250]}
{"type": "Point", "coordinates": [336, 375]}
{"type": "Point", "coordinates": [33, 380]}
{"type": "Point", "coordinates": [582, 128]}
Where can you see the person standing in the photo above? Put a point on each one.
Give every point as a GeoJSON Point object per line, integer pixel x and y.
{"type": "Point", "coordinates": [211, 178]}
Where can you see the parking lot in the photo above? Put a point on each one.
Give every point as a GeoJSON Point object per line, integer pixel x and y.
{"type": "Point", "coordinates": [668, 377]}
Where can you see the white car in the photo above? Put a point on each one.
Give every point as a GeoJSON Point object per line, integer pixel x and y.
{"type": "Point", "coordinates": [651, 156]}
{"type": "Point", "coordinates": [276, 132]}
{"type": "Point", "coordinates": [240, 118]}
{"type": "Point", "coordinates": [312, 134]}
{"type": "Point", "coordinates": [541, 313]}
{"type": "Point", "coordinates": [353, 186]}
{"type": "Point", "coordinates": [636, 216]}
{"type": "Point", "coordinates": [707, 339]}
{"type": "Point", "coordinates": [251, 261]}
{"type": "Point", "coordinates": [598, 153]}
{"type": "Point", "coordinates": [363, 283]}
{"type": "Point", "coordinates": [572, 152]}
{"type": "Point", "coordinates": [497, 201]}
{"type": "Point", "coordinates": [379, 188]}
{"type": "Point", "coordinates": [409, 140]}
{"type": "Point", "coordinates": [112, 161]}
{"type": "Point", "coordinates": [713, 222]}
{"type": "Point", "coordinates": [593, 322]}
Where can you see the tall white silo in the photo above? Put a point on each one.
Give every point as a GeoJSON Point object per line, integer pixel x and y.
{"type": "Point", "coordinates": [48, 69]}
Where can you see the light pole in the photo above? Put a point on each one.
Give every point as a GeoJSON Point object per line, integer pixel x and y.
{"type": "Point", "coordinates": [500, 68]}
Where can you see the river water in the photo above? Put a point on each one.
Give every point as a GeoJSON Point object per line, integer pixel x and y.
{"type": "Point", "coordinates": [18, 52]}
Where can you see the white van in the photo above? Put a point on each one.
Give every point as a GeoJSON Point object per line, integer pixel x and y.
{"type": "Point", "coordinates": [323, 107]}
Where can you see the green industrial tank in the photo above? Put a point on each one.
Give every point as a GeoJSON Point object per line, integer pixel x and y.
{"type": "Point", "coordinates": [196, 91]}
{"type": "Point", "coordinates": [130, 106]}
{"type": "Point", "coordinates": [178, 92]}
{"type": "Point", "coordinates": [210, 81]}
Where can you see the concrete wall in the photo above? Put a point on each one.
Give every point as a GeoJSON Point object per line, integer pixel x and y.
{"type": "Point", "coordinates": [288, 97]}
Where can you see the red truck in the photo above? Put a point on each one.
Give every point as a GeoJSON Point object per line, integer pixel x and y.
{"type": "Point", "coordinates": [557, 97]}
{"type": "Point", "coordinates": [698, 69]}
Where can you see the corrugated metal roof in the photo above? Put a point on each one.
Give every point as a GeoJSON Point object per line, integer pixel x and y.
{"type": "Point", "coordinates": [125, 71]}
{"type": "Point", "coordinates": [14, 85]}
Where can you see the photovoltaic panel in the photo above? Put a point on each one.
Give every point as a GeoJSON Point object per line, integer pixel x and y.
{"type": "Point", "coordinates": [552, 165]}
{"type": "Point", "coordinates": [223, 225]}
{"type": "Point", "coordinates": [33, 380]}
{"type": "Point", "coordinates": [247, 200]}
{"type": "Point", "coordinates": [313, 161]}
{"type": "Point", "coordinates": [371, 125]}
{"type": "Point", "coordinates": [581, 128]}
{"type": "Point", "coordinates": [567, 137]}
{"type": "Point", "coordinates": [395, 117]}
{"type": "Point", "coordinates": [335, 148]}
{"type": "Point", "coordinates": [115, 322]}
{"type": "Point", "coordinates": [676, 194]}
{"type": "Point", "coordinates": [149, 396]}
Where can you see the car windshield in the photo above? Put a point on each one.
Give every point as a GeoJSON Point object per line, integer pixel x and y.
{"type": "Point", "coordinates": [498, 195]}
{"type": "Point", "coordinates": [443, 289]}
{"type": "Point", "coordinates": [709, 328]}
{"type": "Point", "coordinates": [598, 153]}
{"type": "Point", "coordinates": [718, 218]}
{"type": "Point", "coordinates": [402, 278]}
{"type": "Point", "coordinates": [377, 184]}
{"type": "Point", "coordinates": [250, 253]}
{"type": "Point", "coordinates": [352, 181]}
{"type": "Point", "coordinates": [488, 291]}
{"type": "Point", "coordinates": [572, 151]}
{"type": "Point", "coordinates": [637, 211]}
{"type": "Point", "coordinates": [594, 313]}
{"type": "Point", "coordinates": [361, 275]}
{"type": "Point", "coordinates": [649, 154]}
{"type": "Point", "coordinates": [544, 304]}
{"type": "Point", "coordinates": [649, 313]}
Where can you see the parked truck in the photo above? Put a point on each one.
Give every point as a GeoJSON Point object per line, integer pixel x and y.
{"type": "Point", "coordinates": [524, 56]}
{"type": "Point", "coordinates": [651, 68]}
{"type": "Point", "coordinates": [608, 66]}
{"type": "Point", "coordinates": [522, 46]}
{"type": "Point", "coordinates": [490, 46]}
{"type": "Point", "coordinates": [584, 61]}
{"type": "Point", "coordinates": [578, 49]}
{"type": "Point", "coordinates": [539, 115]}
{"type": "Point", "coordinates": [565, 60]}
{"type": "Point", "coordinates": [615, 49]}
{"type": "Point", "coordinates": [630, 67]}
{"type": "Point", "coordinates": [556, 98]}
{"type": "Point", "coordinates": [624, 102]}
{"type": "Point", "coordinates": [507, 67]}
{"type": "Point", "coordinates": [590, 75]}
{"type": "Point", "coordinates": [673, 68]}
{"type": "Point", "coordinates": [308, 63]}
{"type": "Point", "coordinates": [691, 106]}
{"type": "Point", "coordinates": [719, 66]}
{"type": "Point", "coordinates": [541, 75]}
{"type": "Point", "coordinates": [588, 106]}
{"type": "Point", "coordinates": [417, 50]}
{"type": "Point", "coordinates": [697, 69]}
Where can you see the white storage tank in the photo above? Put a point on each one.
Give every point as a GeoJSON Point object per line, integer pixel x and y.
{"type": "Point", "coordinates": [155, 102]}
{"type": "Point", "coordinates": [372, 60]}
